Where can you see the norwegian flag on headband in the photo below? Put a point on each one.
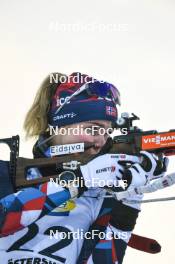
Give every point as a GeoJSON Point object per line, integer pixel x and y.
{"type": "Point", "coordinates": [111, 111]}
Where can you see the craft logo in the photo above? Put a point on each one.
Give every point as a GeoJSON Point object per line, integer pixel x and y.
{"type": "Point", "coordinates": [159, 140]}
{"type": "Point", "coordinates": [66, 149]}
{"type": "Point", "coordinates": [69, 115]}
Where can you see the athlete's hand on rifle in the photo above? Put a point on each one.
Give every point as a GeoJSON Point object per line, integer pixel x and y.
{"type": "Point", "coordinates": [154, 165]}
{"type": "Point", "coordinates": [138, 175]}
{"type": "Point", "coordinates": [106, 170]}
{"type": "Point", "coordinates": [151, 167]}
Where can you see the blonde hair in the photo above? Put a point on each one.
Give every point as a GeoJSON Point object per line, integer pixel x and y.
{"type": "Point", "coordinates": [36, 120]}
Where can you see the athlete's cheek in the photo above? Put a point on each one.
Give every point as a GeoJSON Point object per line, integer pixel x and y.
{"type": "Point", "coordinates": [85, 138]}
{"type": "Point", "coordinates": [100, 141]}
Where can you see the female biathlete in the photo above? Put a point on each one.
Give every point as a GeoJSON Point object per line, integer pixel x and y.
{"type": "Point", "coordinates": [72, 224]}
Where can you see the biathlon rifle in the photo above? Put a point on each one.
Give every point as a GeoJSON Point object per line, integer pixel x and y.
{"type": "Point", "coordinates": [131, 143]}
